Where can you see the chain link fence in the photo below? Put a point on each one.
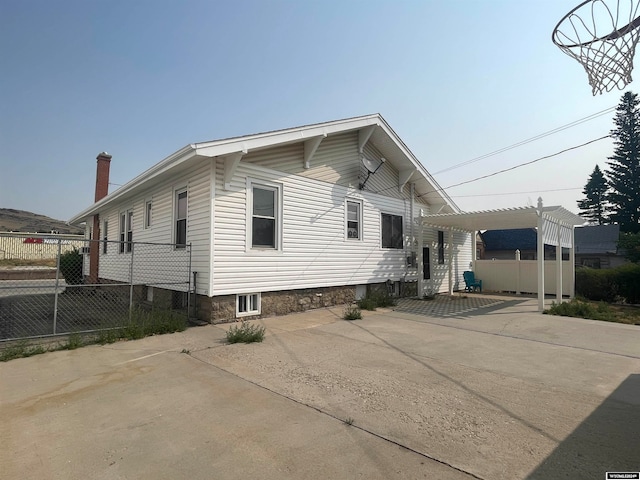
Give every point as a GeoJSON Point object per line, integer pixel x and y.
{"type": "Point", "coordinates": [97, 285]}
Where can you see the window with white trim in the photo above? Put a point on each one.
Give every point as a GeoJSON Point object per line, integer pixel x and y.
{"type": "Point", "coordinates": [126, 231]}
{"type": "Point", "coordinates": [181, 219]}
{"type": "Point", "coordinates": [248, 304]}
{"type": "Point", "coordinates": [392, 231]}
{"type": "Point", "coordinates": [147, 214]}
{"type": "Point", "coordinates": [264, 211]}
{"type": "Point", "coordinates": [354, 220]}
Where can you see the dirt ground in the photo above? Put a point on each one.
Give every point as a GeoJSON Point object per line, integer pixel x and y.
{"type": "Point", "coordinates": [493, 393]}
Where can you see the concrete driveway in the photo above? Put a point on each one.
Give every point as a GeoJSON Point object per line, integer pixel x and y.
{"type": "Point", "coordinates": [495, 392]}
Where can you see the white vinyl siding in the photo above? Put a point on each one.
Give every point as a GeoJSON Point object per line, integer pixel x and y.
{"type": "Point", "coordinates": [197, 179]}
{"type": "Point", "coordinates": [336, 160]}
{"type": "Point", "coordinates": [314, 252]}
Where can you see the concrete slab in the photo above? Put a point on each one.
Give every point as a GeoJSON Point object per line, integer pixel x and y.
{"type": "Point", "coordinates": [498, 393]}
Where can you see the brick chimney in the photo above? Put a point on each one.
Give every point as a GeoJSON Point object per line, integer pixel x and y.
{"type": "Point", "coordinates": [102, 175]}
{"type": "Point", "coordinates": [102, 190]}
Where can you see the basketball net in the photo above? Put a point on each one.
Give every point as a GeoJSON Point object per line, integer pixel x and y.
{"type": "Point", "coordinates": [602, 36]}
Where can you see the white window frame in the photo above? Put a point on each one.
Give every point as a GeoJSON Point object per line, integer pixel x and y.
{"type": "Point", "coordinates": [148, 214]}
{"type": "Point", "coordinates": [265, 185]}
{"type": "Point", "coordinates": [381, 230]}
{"type": "Point", "coordinates": [176, 193]}
{"type": "Point", "coordinates": [126, 241]}
{"type": "Point", "coordinates": [252, 304]}
{"type": "Point", "coordinates": [346, 220]}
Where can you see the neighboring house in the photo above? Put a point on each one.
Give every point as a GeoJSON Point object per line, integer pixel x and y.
{"type": "Point", "coordinates": [284, 220]}
{"type": "Point", "coordinates": [502, 245]}
{"type": "Point", "coordinates": [597, 246]}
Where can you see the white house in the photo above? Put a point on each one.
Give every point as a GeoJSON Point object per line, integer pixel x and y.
{"type": "Point", "coordinates": [286, 220]}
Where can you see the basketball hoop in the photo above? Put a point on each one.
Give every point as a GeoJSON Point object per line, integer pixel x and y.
{"type": "Point", "coordinates": [602, 36]}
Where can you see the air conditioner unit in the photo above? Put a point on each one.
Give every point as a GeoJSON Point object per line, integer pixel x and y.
{"type": "Point", "coordinates": [85, 250]}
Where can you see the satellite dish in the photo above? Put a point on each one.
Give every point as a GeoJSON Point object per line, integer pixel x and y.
{"type": "Point", "coordinates": [369, 165]}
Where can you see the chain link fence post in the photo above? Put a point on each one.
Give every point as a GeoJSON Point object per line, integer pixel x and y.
{"type": "Point", "coordinates": [57, 287]}
{"type": "Point", "coordinates": [131, 283]}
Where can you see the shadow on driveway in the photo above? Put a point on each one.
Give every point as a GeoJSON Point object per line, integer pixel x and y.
{"type": "Point", "coordinates": [608, 440]}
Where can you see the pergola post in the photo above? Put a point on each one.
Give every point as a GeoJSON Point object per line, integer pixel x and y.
{"type": "Point", "coordinates": [572, 260]}
{"type": "Point", "coordinates": [540, 256]}
{"type": "Point", "coordinates": [559, 266]}
{"type": "Point", "coordinates": [474, 249]}
{"type": "Point", "coordinates": [420, 291]}
{"type": "Point", "coordinates": [450, 242]}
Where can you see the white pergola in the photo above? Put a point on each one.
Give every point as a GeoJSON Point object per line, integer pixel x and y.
{"type": "Point", "coordinates": [554, 224]}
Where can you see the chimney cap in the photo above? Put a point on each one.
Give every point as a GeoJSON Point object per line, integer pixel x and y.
{"type": "Point", "coordinates": [104, 155]}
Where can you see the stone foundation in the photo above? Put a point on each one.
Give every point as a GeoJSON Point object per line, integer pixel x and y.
{"type": "Point", "coordinates": [223, 307]}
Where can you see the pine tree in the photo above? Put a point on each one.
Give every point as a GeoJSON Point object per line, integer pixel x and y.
{"type": "Point", "coordinates": [594, 206]}
{"type": "Point", "coordinates": [624, 166]}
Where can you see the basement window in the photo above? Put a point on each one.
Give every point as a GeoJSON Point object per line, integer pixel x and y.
{"type": "Point", "coordinates": [248, 304]}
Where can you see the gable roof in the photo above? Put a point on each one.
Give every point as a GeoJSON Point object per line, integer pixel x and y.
{"type": "Point", "coordinates": [372, 128]}
{"type": "Point", "coordinates": [594, 239]}
{"type": "Point", "coordinates": [519, 238]}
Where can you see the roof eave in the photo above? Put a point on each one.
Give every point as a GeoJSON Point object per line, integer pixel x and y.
{"type": "Point", "coordinates": [169, 162]}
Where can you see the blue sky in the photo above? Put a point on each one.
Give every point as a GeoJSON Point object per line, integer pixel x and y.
{"type": "Point", "coordinates": [141, 79]}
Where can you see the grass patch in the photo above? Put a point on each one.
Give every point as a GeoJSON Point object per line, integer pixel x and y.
{"type": "Point", "coordinates": [374, 300]}
{"type": "Point", "coordinates": [245, 333]}
{"type": "Point", "coordinates": [349, 421]}
{"type": "Point", "coordinates": [143, 324]}
{"type": "Point", "coordinates": [352, 312]}
{"type": "Point", "coordinates": [21, 349]}
{"type": "Point", "coordinates": [581, 308]}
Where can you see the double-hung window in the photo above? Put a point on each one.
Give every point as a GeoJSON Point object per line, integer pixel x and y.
{"type": "Point", "coordinates": [354, 220]}
{"type": "Point", "coordinates": [181, 219]}
{"type": "Point", "coordinates": [264, 217]}
{"type": "Point", "coordinates": [392, 231]}
{"type": "Point", "coordinates": [126, 231]}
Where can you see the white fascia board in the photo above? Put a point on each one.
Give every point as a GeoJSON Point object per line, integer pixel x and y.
{"type": "Point", "coordinates": [280, 137]}
{"type": "Point", "coordinates": [159, 168]}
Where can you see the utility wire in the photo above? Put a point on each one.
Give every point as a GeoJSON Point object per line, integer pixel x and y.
{"type": "Point", "coordinates": [529, 140]}
{"type": "Point", "coordinates": [515, 166]}
{"type": "Point", "coordinates": [516, 193]}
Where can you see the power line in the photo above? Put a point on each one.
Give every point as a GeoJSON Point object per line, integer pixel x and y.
{"type": "Point", "coordinates": [516, 193]}
{"type": "Point", "coordinates": [529, 140]}
{"type": "Point", "coordinates": [516, 166]}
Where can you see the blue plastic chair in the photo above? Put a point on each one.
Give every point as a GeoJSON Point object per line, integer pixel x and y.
{"type": "Point", "coordinates": [471, 282]}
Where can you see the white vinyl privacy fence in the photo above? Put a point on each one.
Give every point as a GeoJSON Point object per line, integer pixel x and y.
{"type": "Point", "coordinates": [521, 276]}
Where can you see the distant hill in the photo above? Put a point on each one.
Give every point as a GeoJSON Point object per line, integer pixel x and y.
{"type": "Point", "coordinates": [21, 221]}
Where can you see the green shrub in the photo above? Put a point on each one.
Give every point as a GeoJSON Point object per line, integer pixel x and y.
{"type": "Point", "coordinates": [609, 285]}
{"type": "Point", "coordinates": [374, 300]}
{"type": "Point", "coordinates": [628, 279]}
{"type": "Point", "coordinates": [595, 284]}
{"type": "Point", "coordinates": [352, 312]}
{"type": "Point", "coordinates": [246, 333]}
{"type": "Point", "coordinates": [71, 267]}
{"type": "Point", "coordinates": [367, 303]}
{"type": "Point", "coordinates": [582, 309]}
